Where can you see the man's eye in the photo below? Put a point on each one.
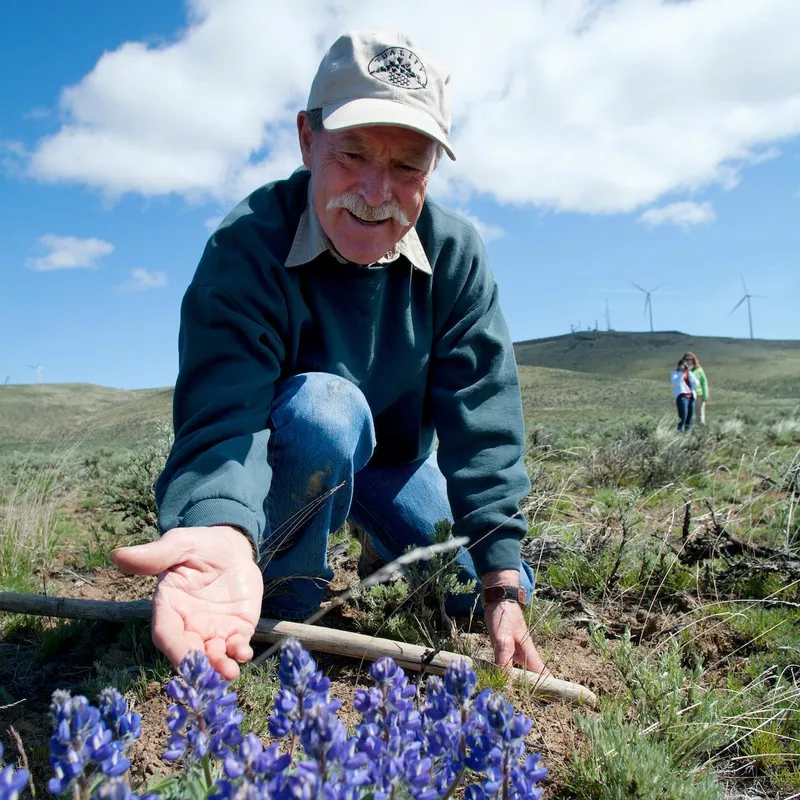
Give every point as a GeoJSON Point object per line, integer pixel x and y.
{"type": "Point", "coordinates": [408, 168]}
{"type": "Point", "coordinates": [352, 156]}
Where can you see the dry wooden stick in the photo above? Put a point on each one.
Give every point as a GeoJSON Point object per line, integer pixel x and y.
{"type": "Point", "coordinates": [312, 637]}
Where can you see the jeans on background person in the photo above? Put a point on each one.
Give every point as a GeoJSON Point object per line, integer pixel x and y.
{"type": "Point", "coordinates": [322, 438]}
{"type": "Point", "coordinates": [685, 412]}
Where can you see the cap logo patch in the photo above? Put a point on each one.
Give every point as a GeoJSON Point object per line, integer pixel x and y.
{"type": "Point", "coordinates": [400, 67]}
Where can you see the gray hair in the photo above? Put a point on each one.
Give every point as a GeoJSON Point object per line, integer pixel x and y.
{"type": "Point", "coordinates": [315, 123]}
{"type": "Point", "coordinates": [314, 119]}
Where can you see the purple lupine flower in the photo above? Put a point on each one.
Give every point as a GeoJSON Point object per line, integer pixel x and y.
{"type": "Point", "coordinates": [438, 703]}
{"type": "Point", "coordinates": [296, 667]}
{"type": "Point", "coordinates": [125, 725]}
{"type": "Point", "coordinates": [303, 686]}
{"type": "Point", "coordinates": [12, 781]}
{"type": "Point", "coordinates": [390, 732]}
{"type": "Point", "coordinates": [205, 718]}
{"type": "Point", "coordinates": [81, 742]}
{"type": "Point", "coordinates": [249, 770]}
{"type": "Point", "coordinates": [322, 734]}
{"type": "Point", "coordinates": [304, 784]}
{"type": "Point", "coordinates": [496, 747]}
{"type": "Point", "coordinates": [460, 681]}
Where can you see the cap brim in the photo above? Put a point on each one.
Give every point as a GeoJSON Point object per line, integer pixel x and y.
{"type": "Point", "coordinates": [369, 111]}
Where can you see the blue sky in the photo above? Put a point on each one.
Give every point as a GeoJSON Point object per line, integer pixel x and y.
{"type": "Point", "coordinates": [583, 178]}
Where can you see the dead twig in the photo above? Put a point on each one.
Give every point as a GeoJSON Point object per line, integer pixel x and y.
{"type": "Point", "coordinates": [23, 756]}
{"type": "Point", "coordinates": [313, 637]}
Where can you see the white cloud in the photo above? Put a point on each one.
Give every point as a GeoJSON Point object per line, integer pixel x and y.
{"type": "Point", "coordinates": [143, 279]}
{"type": "Point", "coordinates": [487, 231]}
{"type": "Point", "coordinates": [684, 213]}
{"type": "Point", "coordinates": [212, 223]}
{"type": "Point", "coordinates": [582, 105]}
{"type": "Point", "coordinates": [69, 252]}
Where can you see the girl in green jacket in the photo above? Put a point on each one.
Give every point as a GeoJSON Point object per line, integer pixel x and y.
{"type": "Point", "coordinates": [702, 389]}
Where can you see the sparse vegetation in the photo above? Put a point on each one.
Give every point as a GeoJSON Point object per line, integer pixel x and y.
{"type": "Point", "coordinates": [412, 608]}
{"type": "Point", "coordinates": [668, 573]}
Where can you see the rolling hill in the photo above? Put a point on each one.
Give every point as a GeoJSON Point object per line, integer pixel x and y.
{"type": "Point", "coordinates": [762, 367]}
{"type": "Point", "coordinates": [67, 414]}
{"type": "Point", "coordinates": [564, 379]}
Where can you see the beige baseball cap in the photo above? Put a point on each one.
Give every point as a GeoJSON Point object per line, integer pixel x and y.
{"type": "Point", "coordinates": [382, 78]}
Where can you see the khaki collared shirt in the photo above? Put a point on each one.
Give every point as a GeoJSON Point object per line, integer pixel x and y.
{"type": "Point", "coordinates": [311, 241]}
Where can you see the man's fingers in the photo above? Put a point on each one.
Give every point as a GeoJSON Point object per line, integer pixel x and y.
{"type": "Point", "coordinates": [151, 558]}
{"type": "Point", "coordinates": [238, 648]}
{"type": "Point", "coordinates": [528, 658]}
{"type": "Point", "coordinates": [504, 653]}
{"type": "Point", "coordinates": [170, 635]}
{"type": "Point", "coordinates": [218, 658]}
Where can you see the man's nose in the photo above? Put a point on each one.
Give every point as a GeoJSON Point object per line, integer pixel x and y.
{"type": "Point", "coordinates": [375, 185]}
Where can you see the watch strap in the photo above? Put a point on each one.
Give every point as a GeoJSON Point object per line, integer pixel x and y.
{"type": "Point", "coordinates": [513, 594]}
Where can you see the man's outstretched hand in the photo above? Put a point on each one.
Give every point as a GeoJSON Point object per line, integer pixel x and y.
{"type": "Point", "coordinates": [208, 595]}
{"type": "Point", "coordinates": [508, 630]}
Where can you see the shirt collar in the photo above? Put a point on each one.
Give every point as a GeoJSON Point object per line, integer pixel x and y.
{"type": "Point", "coordinates": [311, 241]}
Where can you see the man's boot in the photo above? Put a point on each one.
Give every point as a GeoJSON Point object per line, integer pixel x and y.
{"type": "Point", "coordinates": [369, 561]}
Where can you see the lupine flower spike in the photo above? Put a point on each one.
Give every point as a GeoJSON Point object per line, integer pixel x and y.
{"type": "Point", "coordinates": [12, 781]}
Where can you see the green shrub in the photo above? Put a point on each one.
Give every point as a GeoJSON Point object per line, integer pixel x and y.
{"type": "Point", "coordinates": [646, 456]}
{"type": "Point", "coordinates": [624, 763]}
{"type": "Point", "coordinates": [132, 490]}
{"type": "Point", "coordinates": [29, 520]}
{"type": "Point", "coordinates": [413, 607]}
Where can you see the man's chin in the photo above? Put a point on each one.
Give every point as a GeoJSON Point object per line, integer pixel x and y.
{"type": "Point", "coordinates": [367, 253]}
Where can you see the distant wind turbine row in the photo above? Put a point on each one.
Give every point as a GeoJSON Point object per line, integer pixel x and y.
{"type": "Point", "coordinates": [648, 304]}
{"type": "Point", "coordinates": [36, 367]}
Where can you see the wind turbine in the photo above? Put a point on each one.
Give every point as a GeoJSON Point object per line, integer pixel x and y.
{"type": "Point", "coordinates": [747, 297]}
{"type": "Point", "coordinates": [38, 368]}
{"type": "Point", "coordinates": [648, 303]}
{"type": "Point", "coordinates": [608, 317]}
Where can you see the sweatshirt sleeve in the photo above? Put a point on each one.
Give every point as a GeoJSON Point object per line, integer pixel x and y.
{"type": "Point", "coordinates": [230, 355]}
{"type": "Point", "coordinates": [701, 376]}
{"type": "Point", "coordinates": [477, 411]}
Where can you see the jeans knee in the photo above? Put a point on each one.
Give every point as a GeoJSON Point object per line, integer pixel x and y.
{"type": "Point", "coordinates": [327, 413]}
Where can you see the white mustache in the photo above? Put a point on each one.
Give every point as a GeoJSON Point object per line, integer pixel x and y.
{"type": "Point", "coordinates": [356, 206]}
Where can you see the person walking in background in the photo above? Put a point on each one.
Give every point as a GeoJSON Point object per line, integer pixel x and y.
{"type": "Point", "coordinates": [701, 395]}
{"type": "Point", "coordinates": [684, 386]}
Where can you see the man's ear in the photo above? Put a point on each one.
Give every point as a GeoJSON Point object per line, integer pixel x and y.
{"type": "Point", "coordinates": [306, 138]}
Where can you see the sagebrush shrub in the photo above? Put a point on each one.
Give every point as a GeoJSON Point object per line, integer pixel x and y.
{"type": "Point", "coordinates": [624, 763]}
{"type": "Point", "coordinates": [132, 490]}
{"type": "Point", "coordinates": [642, 456]}
{"type": "Point", "coordinates": [653, 742]}
{"type": "Point", "coordinates": [413, 606]}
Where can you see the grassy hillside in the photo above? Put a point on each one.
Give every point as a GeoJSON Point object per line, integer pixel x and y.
{"type": "Point", "coordinates": [69, 413]}
{"type": "Point", "coordinates": [769, 368]}
{"type": "Point", "coordinates": [560, 397]}
{"type": "Point", "coordinates": [565, 379]}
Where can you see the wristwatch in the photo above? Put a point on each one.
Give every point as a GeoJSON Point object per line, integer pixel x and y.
{"type": "Point", "coordinates": [495, 594]}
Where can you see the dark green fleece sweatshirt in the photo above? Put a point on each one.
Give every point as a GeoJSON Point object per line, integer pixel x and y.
{"type": "Point", "coordinates": [431, 353]}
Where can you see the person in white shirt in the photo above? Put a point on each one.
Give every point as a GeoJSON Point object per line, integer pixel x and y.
{"type": "Point", "coordinates": [684, 387]}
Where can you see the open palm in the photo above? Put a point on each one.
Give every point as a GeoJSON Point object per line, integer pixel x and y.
{"type": "Point", "coordinates": [208, 595]}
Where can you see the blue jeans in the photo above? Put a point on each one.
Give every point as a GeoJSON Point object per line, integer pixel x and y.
{"type": "Point", "coordinates": [685, 412]}
{"type": "Point", "coordinates": [322, 439]}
